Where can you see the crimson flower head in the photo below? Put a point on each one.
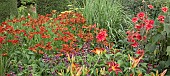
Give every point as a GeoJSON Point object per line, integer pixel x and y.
{"type": "Point", "coordinates": [140, 52]}
{"type": "Point", "coordinates": [151, 22]}
{"type": "Point", "coordinates": [102, 35]}
{"type": "Point", "coordinates": [164, 9]}
{"type": "Point", "coordinates": [138, 27]}
{"type": "Point", "coordinates": [135, 44]}
{"type": "Point", "coordinates": [113, 66]}
{"type": "Point", "coordinates": [134, 19]}
{"type": "Point", "coordinates": [150, 6]}
{"type": "Point", "coordinates": [149, 26]}
{"type": "Point", "coordinates": [138, 36]}
{"type": "Point", "coordinates": [161, 18]}
{"type": "Point", "coordinates": [141, 15]}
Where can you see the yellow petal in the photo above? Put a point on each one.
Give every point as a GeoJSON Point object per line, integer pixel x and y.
{"type": "Point", "coordinates": [79, 72]}
{"type": "Point", "coordinates": [163, 73]}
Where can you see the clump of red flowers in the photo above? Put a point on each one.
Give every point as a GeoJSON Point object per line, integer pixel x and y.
{"type": "Point", "coordinates": [141, 23]}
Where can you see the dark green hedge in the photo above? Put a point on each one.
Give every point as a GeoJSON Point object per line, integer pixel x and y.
{"type": "Point", "coordinates": [46, 6]}
{"type": "Point", "coordinates": [7, 8]}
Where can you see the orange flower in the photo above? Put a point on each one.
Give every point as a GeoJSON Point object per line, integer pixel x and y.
{"type": "Point", "coordinates": [135, 61]}
{"type": "Point", "coordinates": [98, 50]}
{"type": "Point", "coordinates": [161, 74]}
{"type": "Point", "coordinates": [13, 41]}
{"type": "Point", "coordinates": [33, 49]}
{"type": "Point", "coordinates": [45, 36]}
{"type": "Point", "coordinates": [114, 67]}
{"type": "Point", "coordinates": [48, 46]}
{"type": "Point", "coordinates": [40, 52]}
{"type": "Point", "coordinates": [4, 54]}
{"type": "Point", "coordinates": [58, 55]}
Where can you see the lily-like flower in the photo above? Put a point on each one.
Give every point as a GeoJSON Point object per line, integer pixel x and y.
{"type": "Point", "coordinates": [113, 66]}
{"type": "Point", "coordinates": [99, 51]}
{"type": "Point", "coordinates": [161, 74]}
{"type": "Point", "coordinates": [135, 61]}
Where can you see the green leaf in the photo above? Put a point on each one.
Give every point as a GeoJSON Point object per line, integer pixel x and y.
{"type": "Point", "coordinates": [108, 56]}
{"type": "Point", "coordinates": [30, 52]}
{"type": "Point", "coordinates": [120, 62]}
{"type": "Point", "coordinates": [126, 69]}
{"type": "Point", "coordinates": [167, 28]}
{"type": "Point", "coordinates": [156, 38]}
{"type": "Point", "coordinates": [150, 47]}
{"type": "Point", "coordinates": [168, 50]}
{"type": "Point", "coordinates": [144, 65]}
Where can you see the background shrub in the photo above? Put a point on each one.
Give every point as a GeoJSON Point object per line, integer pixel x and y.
{"type": "Point", "coordinates": [8, 8]}
{"type": "Point", "coordinates": [46, 6]}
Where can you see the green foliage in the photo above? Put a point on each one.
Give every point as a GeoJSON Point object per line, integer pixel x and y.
{"type": "Point", "coordinates": [107, 14]}
{"type": "Point", "coordinates": [46, 6]}
{"type": "Point", "coordinates": [8, 8]}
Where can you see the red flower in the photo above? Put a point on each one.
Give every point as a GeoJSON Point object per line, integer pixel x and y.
{"type": "Point", "coordinates": [48, 46]}
{"type": "Point", "coordinates": [138, 36]}
{"type": "Point", "coordinates": [151, 22]}
{"type": "Point", "coordinates": [141, 15]}
{"type": "Point", "coordinates": [150, 6]}
{"type": "Point", "coordinates": [101, 36]}
{"type": "Point", "coordinates": [138, 27]}
{"type": "Point", "coordinates": [1, 39]}
{"type": "Point", "coordinates": [13, 41]}
{"type": "Point", "coordinates": [134, 19]}
{"type": "Point", "coordinates": [149, 26]}
{"type": "Point", "coordinates": [161, 18]}
{"type": "Point", "coordinates": [45, 36]}
{"type": "Point", "coordinates": [114, 67]}
{"type": "Point", "coordinates": [140, 52]}
{"type": "Point", "coordinates": [4, 54]}
{"type": "Point", "coordinates": [128, 32]}
{"type": "Point", "coordinates": [164, 9]}
{"type": "Point", "coordinates": [135, 44]}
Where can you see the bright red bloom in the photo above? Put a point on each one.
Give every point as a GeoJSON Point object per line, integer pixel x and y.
{"type": "Point", "coordinates": [138, 36]}
{"type": "Point", "coordinates": [161, 18]}
{"type": "Point", "coordinates": [134, 19]}
{"type": "Point", "coordinates": [149, 26]}
{"type": "Point", "coordinates": [150, 6]}
{"type": "Point", "coordinates": [140, 52]}
{"type": "Point", "coordinates": [138, 27]}
{"type": "Point", "coordinates": [151, 22]}
{"type": "Point", "coordinates": [141, 15]}
{"type": "Point", "coordinates": [135, 44]}
{"type": "Point", "coordinates": [101, 36]}
{"type": "Point", "coordinates": [114, 67]}
{"type": "Point", "coordinates": [164, 9]}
